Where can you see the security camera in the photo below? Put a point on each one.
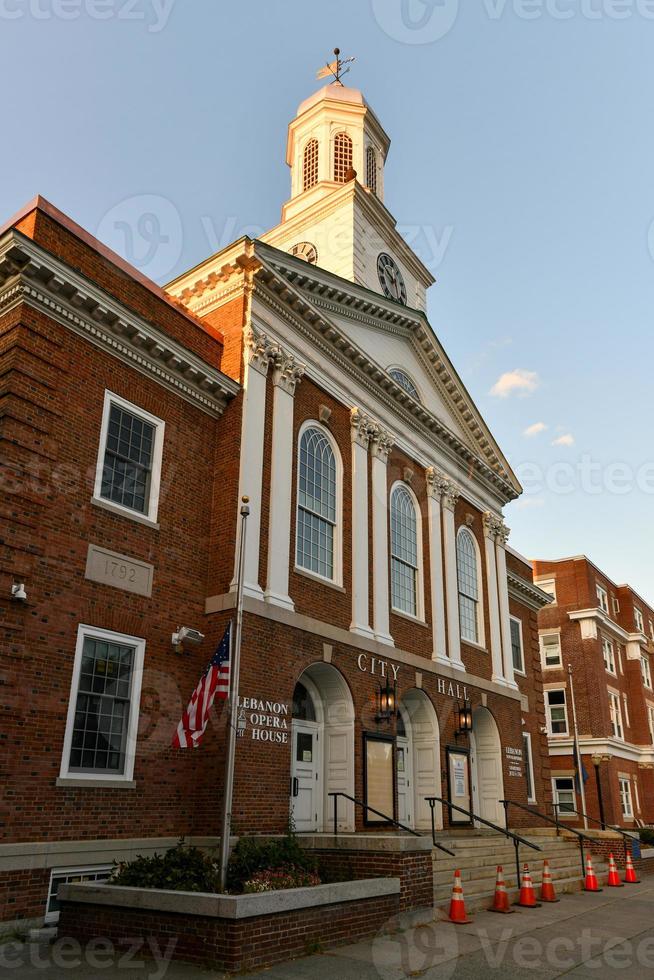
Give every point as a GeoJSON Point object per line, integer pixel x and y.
{"type": "Point", "coordinates": [186, 635]}
{"type": "Point", "coordinates": [18, 591]}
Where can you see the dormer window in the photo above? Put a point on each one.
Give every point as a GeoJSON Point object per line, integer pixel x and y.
{"type": "Point", "coordinates": [342, 157]}
{"type": "Point", "coordinates": [310, 165]}
{"type": "Point", "coordinates": [371, 169]}
{"type": "Point", "coordinates": [404, 381]}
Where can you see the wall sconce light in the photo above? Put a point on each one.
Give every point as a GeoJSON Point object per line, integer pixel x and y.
{"type": "Point", "coordinates": [186, 635]}
{"type": "Point", "coordinates": [463, 719]}
{"type": "Point", "coordinates": [387, 702]}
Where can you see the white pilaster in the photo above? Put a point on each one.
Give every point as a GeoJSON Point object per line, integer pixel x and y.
{"type": "Point", "coordinates": [361, 431]}
{"type": "Point", "coordinates": [491, 524]}
{"type": "Point", "coordinates": [286, 374]}
{"type": "Point", "coordinates": [448, 500]}
{"type": "Point", "coordinates": [381, 447]}
{"type": "Point", "coordinates": [436, 485]}
{"type": "Point", "coordinates": [503, 590]}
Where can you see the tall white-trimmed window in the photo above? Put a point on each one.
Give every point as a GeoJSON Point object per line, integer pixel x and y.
{"type": "Point", "coordinates": [563, 790]}
{"type": "Point", "coordinates": [608, 652]}
{"type": "Point", "coordinates": [615, 604]}
{"type": "Point", "coordinates": [529, 767]}
{"type": "Point", "coordinates": [557, 712]}
{"type": "Point", "coordinates": [128, 470]}
{"type": "Point", "coordinates": [646, 672]}
{"type": "Point", "coordinates": [318, 504]}
{"type": "Point", "coordinates": [406, 552]}
{"type": "Point", "coordinates": [615, 713]}
{"type": "Point", "coordinates": [602, 598]}
{"type": "Point", "coordinates": [625, 797]}
{"type": "Point", "coordinates": [371, 169]}
{"type": "Point", "coordinates": [342, 157]}
{"type": "Point", "coordinates": [71, 876]}
{"type": "Point", "coordinates": [469, 579]}
{"type": "Point", "coordinates": [517, 646]}
{"type": "Point", "coordinates": [650, 721]}
{"type": "Point", "coordinates": [638, 618]}
{"type": "Point", "coordinates": [625, 704]}
{"type": "Point", "coordinates": [550, 649]}
{"type": "Point", "coordinates": [103, 710]}
{"type": "Point", "coordinates": [310, 165]}
{"type": "Point", "coordinates": [548, 586]}
{"type": "Point", "coordinates": [636, 794]}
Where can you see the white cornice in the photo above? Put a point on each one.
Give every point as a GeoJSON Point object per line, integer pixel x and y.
{"type": "Point", "coordinates": [590, 618]}
{"type": "Point", "coordinates": [643, 754]}
{"type": "Point", "coordinates": [526, 592]}
{"type": "Point", "coordinates": [30, 274]}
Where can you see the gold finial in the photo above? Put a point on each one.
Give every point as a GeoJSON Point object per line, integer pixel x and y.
{"type": "Point", "coordinates": [336, 68]}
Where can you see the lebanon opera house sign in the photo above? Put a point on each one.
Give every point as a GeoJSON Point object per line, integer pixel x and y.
{"type": "Point", "coordinates": [268, 719]}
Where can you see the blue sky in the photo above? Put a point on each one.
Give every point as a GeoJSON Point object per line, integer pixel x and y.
{"type": "Point", "coordinates": [522, 158]}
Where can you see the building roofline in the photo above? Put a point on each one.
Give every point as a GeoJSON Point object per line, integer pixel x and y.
{"type": "Point", "coordinates": [582, 557]}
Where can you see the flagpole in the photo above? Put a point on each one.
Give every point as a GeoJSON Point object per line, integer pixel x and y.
{"type": "Point", "coordinates": [235, 665]}
{"type": "Point", "coordinates": [578, 763]}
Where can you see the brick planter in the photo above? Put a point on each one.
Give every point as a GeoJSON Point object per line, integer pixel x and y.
{"type": "Point", "coordinates": [231, 932]}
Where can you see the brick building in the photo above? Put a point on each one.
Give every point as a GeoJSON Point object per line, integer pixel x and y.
{"type": "Point", "coordinates": [605, 633]}
{"type": "Point", "coordinates": [381, 596]}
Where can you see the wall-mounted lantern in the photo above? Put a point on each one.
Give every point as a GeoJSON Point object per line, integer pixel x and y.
{"type": "Point", "coordinates": [386, 702]}
{"type": "Point", "coordinates": [463, 718]}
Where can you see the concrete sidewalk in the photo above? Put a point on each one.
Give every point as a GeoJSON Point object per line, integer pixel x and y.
{"type": "Point", "coordinates": [610, 934]}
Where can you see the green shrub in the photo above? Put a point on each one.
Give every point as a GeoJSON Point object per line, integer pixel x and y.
{"type": "Point", "coordinates": [252, 855]}
{"type": "Point", "coordinates": [182, 868]}
{"type": "Point", "coordinates": [647, 835]}
{"type": "Point", "coordinates": [272, 881]}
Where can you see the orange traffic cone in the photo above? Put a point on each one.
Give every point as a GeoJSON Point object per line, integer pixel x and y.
{"type": "Point", "coordinates": [614, 877]}
{"type": "Point", "coordinates": [527, 898]}
{"type": "Point", "coordinates": [547, 893]}
{"type": "Point", "coordinates": [457, 905]}
{"type": "Point", "coordinates": [590, 884]}
{"type": "Point", "coordinates": [630, 871]}
{"type": "Point", "coordinates": [501, 901]}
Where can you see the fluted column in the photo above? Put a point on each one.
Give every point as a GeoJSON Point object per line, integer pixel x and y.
{"type": "Point", "coordinates": [503, 590]}
{"type": "Point", "coordinates": [362, 428]}
{"type": "Point", "coordinates": [491, 524]}
{"type": "Point", "coordinates": [381, 447]}
{"type": "Point", "coordinates": [448, 500]}
{"type": "Point", "coordinates": [287, 372]}
{"type": "Point", "coordinates": [436, 486]}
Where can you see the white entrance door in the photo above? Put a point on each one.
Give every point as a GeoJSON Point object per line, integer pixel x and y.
{"type": "Point", "coordinates": [305, 776]}
{"type": "Point", "coordinates": [403, 761]}
{"type": "Point", "coordinates": [486, 766]}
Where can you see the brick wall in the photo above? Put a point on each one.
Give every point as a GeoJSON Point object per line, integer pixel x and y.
{"type": "Point", "coordinates": [414, 869]}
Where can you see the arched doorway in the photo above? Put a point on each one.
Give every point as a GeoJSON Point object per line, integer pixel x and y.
{"type": "Point", "coordinates": [417, 760]}
{"type": "Point", "coordinates": [486, 766]}
{"type": "Point", "coordinates": [322, 750]}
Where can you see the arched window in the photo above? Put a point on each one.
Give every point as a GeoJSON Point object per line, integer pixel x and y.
{"type": "Point", "coordinates": [303, 706]}
{"type": "Point", "coordinates": [342, 157]}
{"type": "Point", "coordinates": [310, 165]}
{"type": "Point", "coordinates": [468, 582]}
{"type": "Point", "coordinates": [404, 381]}
{"type": "Point", "coordinates": [371, 169]}
{"type": "Point", "coordinates": [317, 504]}
{"type": "Point", "coordinates": [404, 551]}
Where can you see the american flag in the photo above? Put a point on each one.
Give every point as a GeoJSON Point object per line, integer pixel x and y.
{"type": "Point", "coordinates": [214, 683]}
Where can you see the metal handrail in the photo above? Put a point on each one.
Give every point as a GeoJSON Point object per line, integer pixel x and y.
{"type": "Point", "coordinates": [384, 816]}
{"type": "Point", "coordinates": [603, 824]}
{"type": "Point", "coordinates": [554, 820]}
{"type": "Point", "coordinates": [516, 838]}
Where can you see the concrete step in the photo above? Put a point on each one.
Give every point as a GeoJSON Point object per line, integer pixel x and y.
{"type": "Point", "coordinates": [559, 868]}
{"type": "Point", "coordinates": [483, 899]}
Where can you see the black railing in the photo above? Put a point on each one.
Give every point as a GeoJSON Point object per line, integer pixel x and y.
{"type": "Point", "coordinates": [553, 820]}
{"type": "Point", "coordinates": [602, 823]}
{"type": "Point", "coordinates": [516, 838]}
{"type": "Point", "coordinates": [384, 816]}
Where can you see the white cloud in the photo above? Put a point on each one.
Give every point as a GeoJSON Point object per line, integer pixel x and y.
{"type": "Point", "coordinates": [565, 440]}
{"type": "Point", "coordinates": [518, 381]}
{"type": "Point", "coordinates": [535, 429]}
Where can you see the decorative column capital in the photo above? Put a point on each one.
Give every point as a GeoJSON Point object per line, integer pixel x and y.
{"type": "Point", "coordinates": [260, 350]}
{"type": "Point", "coordinates": [363, 428]}
{"type": "Point", "coordinates": [287, 371]}
{"type": "Point", "coordinates": [437, 483]}
{"type": "Point", "coordinates": [503, 533]}
{"type": "Point", "coordinates": [491, 524]}
{"type": "Point", "coordinates": [382, 443]}
{"type": "Point", "coordinates": [450, 494]}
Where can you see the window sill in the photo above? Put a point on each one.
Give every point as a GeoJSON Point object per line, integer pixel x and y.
{"type": "Point", "coordinates": [473, 645]}
{"type": "Point", "coordinates": [123, 512]}
{"type": "Point", "coordinates": [520, 673]}
{"type": "Point", "coordinates": [318, 578]}
{"type": "Point", "coordinates": [94, 782]}
{"type": "Point", "coordinates": [412, 619]}
{"type": "Point", "coordinates": [552, 666]}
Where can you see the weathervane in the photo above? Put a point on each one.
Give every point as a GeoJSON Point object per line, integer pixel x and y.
{"type": "Point", "coordinates": [336, 68]}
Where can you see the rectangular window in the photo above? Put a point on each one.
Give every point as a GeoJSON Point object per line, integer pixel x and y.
{"type": "Point", "coordinates": [636, 794]}
{"type": "Point", "coordinates": [100, 739]}
{"type": "Point", "coordinates": [616, 605]}
{"type": "Point", "coordinates": [638, 618]}
{"type": "Point", "coordinates": [625, 702]}
{"type": "Point", "coordinates": [548, 585]}
{"type": "Point", "coordinates": [529, 767]}
{"type": "Point", "coordinates": [616, 715]}
{"type": "Point", "coordinates": [620, 649]}
{"type": "Point", "coordinates": [71, 876]}
{"type": "Point", "coordinates": [563, 790]}
{"type": "Point", "coordinates": [646, 672]}
{"type": "Point", "coordinates": [516, 645]}
{"type": "Point", "coordinates": [651, 629]}
{"type": "Point", "coordinates": [129, 458]}
{"type": "Point", "coordinates": [608, 652]}
{"type": "Point", "coordinates": [379, 778]}
{"type": "Point", "coordinates": [625, 797]}
{"type": "Point", "coordinates": [650, 721]}
{"type": "Point", "coordinates": [557, 714]}
{"type": "Point", "coordinates": [602, 598]}
{"type": "Point", "coordinates": [550, 645]}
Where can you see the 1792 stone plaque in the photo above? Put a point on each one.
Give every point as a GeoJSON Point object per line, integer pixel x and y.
{"type": "Point", "coordinates": [120, 571]}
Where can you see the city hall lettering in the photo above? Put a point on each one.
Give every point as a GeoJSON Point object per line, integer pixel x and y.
{"type": "Point", "coordinates": [382, 668]}
{"type": "Point", "coordinates": [267, 719]}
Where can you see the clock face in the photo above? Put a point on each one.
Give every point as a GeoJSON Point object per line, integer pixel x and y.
{"type": "Point", "coordinates": [306, 251]}
{"type": "Point", "coordinates": [390, 278]}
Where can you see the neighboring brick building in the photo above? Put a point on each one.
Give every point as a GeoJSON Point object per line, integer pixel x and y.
{"type": "Point", "coordinates": [605, 633]}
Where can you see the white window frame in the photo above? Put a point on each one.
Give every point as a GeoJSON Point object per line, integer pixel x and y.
{"type": "Point", "coordinates": [517, 670]}
{"type": "Point", "coordinates": [481, 633]}
{"type": "Point", "coordinates": [651, 629]}
{"type": "Point", "coordinates": [420, 590]}
{"type": "Point", "coordinates": [615, 603]}
{"type": "Point", "coordinates": [646, 672]}
{"type": "Point", "coordinates": [564, 814]}
{"type": "Point", "coordinates": [615, 714]}
{"type": "Point", "coordinates": [636, 794]}
{"type": "Point", "coordinates": [625, 797]}
{"type": "Point", "coordinates": [541, 639]}
{"type": "Point", "coordinates": [650, 720]}
{"type": "Point", "coordinates": [548, 712]}
{"type": "Point", "coordinates": [608, 655]}
{"type": "Point", "coordinates": [625, 703]}
{"type": "Point", "coordinates": [51, 918]}
{"type": "Point", "coordinates": [620, 658]}
{"type": "Point", "coordinates": [110, 636]}
{"type": "Point", "coordinates": [150, 514]}
{"type": "Point", "coordinates": [546, 584]}
{"type": "Point", "coordinates": [638, 619]}
{"type": "Point", "coordinates": [338, 526]}
{"type": "Point", "coordinates": [529, 762]}
{"type": "Point", "coordinates": [602, 598]}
